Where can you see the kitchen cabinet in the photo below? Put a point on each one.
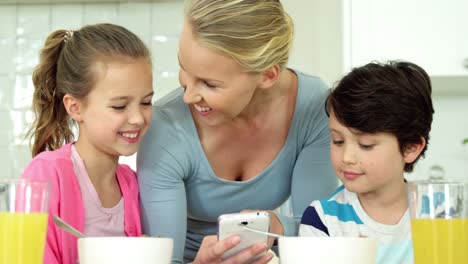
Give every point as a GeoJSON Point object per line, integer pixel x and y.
{"type": "Point", "coordinates": [342, 34]}
{"type": "Point", "coordinates": [431, 33]}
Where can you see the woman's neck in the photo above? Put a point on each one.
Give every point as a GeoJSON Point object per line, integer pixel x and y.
{"type": "Point", "coordinates": [265, 101]}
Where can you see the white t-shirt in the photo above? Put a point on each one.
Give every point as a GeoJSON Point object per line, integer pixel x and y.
{"type": "Point", "coordinates": [342, 215]}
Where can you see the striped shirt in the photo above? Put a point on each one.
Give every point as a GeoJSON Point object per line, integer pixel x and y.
{"type": "Point", "coordinates": [342, 215]}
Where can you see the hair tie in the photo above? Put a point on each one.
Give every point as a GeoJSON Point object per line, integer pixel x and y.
{"type": "Point", "coordinates": [68, 35]}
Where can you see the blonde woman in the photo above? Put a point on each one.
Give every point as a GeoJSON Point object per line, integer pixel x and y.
{"type": "Point", "coordinates": [243, 132]}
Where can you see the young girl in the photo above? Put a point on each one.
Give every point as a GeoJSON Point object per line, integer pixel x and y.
{"type": "Point", "coordinates": [380, 118]}
{"type": "Point", "coordinates": [100, 79]}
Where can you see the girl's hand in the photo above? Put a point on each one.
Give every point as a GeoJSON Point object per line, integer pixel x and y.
{"type": "Point", "coordinates": [275, 225]}
{"type": "Point", "coordinates": [211, 251]}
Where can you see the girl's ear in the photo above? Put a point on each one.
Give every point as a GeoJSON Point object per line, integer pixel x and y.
{"type": "Point", "coordinates": [412, 152]}
{"type": "Point", "coordinates": [73, 107]}
{"type": "Point", "coordinates": [270, 76]}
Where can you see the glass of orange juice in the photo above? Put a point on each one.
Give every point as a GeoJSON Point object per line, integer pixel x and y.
{"type": "Point", "coordinates": [23, 220]}
{"type": "Point", "coordinates": [439, 221]}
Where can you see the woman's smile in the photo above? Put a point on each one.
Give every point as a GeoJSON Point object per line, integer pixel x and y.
{"type": "Point", "coordinates": [203, 110]}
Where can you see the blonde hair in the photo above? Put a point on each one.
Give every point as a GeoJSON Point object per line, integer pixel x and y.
{"type": "Point", "coordinates": [66, 67]}
{"type": "Point", "coordinates": [256, 33]}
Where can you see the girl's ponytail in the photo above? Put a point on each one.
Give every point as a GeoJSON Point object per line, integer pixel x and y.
{"type": "Point", "coordinates": [51, 128]}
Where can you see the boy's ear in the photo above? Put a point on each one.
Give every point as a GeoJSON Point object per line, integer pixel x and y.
{"type": "Point", "coordinates": [412, 151]}
{"type": "Point", "coordinates": [73, 107]}
{"type": "Point", "coordinates": [270, 76]}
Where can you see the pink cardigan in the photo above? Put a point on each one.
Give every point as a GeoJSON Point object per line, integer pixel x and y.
{"type": "Point", "coordinates": [65, 201]}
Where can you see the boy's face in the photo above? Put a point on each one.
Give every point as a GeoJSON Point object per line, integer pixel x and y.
{"type": "Point", "coordinates": [366, 163]}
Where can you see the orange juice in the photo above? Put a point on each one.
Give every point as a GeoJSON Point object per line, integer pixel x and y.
{"type": "Point", "coordinates": [440, 241]}
{"type": "Point", "coordinates": [22, 237]}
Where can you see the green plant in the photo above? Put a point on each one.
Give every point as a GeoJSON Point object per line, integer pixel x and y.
{"type": "Point", "coordinates": [465, 141]}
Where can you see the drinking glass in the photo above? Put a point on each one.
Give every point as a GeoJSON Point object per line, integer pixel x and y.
{"type": "Point", "coordinates": [23, 220]}
{"type": "Point", "coordinates": [439, 221]}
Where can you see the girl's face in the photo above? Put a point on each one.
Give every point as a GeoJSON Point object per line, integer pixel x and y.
{"type": "Point", "coordinates": [216, 87]}
{"type": "Point", "coordinates": [366, 163]}
{"type": "Point", "coordinates": [116, 113]}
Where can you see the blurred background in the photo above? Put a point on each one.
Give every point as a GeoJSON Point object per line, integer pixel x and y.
{"type": "Point", "coordinates": [332, 36]}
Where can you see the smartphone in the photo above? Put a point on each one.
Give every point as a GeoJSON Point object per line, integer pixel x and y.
{"type": "Point", "coordinates": [230, 224]}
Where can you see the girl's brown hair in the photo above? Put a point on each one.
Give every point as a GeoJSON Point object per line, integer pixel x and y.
{"type": "Point", "coordinates": [66, 67]}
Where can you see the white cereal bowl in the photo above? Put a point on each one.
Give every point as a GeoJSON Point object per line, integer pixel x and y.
{"type": "Point", "coordinates": [124, 250]}
{"type": "Point", "coordinates": [327, 250]}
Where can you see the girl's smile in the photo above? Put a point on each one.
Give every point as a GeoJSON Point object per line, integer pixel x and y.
{"type": "Point", "coordinates": [132, 136]}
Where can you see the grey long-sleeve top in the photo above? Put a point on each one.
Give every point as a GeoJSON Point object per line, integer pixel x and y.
{"type": "Point", "coordinates": [181, 197]}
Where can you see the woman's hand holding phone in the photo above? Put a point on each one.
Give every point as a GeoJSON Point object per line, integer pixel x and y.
{"type": "Point", "coordinates": [275, 225]}
{"type": "Point", "coordinates": [211, 251]}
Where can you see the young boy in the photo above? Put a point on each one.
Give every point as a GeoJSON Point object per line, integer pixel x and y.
{"type": "Point", "coordinates": [380, 118]}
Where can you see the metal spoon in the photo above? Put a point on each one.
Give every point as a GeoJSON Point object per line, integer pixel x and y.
{"type": "Point", "coordinates": [260, 231]}
{"type": "Point", "coordinates": [67, 227]}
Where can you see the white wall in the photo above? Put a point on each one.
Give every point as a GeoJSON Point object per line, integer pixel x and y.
{"type": "Point", "coordinates": [319, 36]}
{"type": "Point", "coordinates": [449, 128]}
{"type": "Point", "coordinates": [23, 29]}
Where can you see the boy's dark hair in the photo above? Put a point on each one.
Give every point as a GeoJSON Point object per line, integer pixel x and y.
{"type": "Point", "coordinates": [394, 97]}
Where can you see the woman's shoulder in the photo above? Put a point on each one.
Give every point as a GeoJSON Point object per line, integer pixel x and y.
{"type": "Point", "coordinates": [171, 113]}
{"type": "Point", "coordinates": [172, 128]}
{"type": "Point", "coordinates": [171, 104]}
{"type": "Point", "coordinates": [310, 118]}
{"type": "Point", "coordinates": [311, 88]}
{"type": "Point", "coordinates": [312, 93]}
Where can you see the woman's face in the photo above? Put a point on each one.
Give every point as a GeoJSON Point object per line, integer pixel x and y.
{"type": "Point", "coordinates": [217, 89]}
